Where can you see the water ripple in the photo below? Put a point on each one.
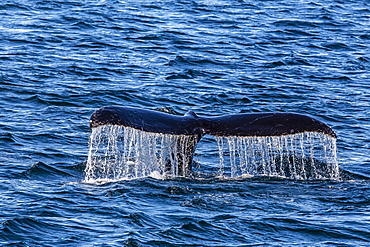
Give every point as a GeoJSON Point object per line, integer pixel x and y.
{"type": "Point", "coordinates": [61, 60]}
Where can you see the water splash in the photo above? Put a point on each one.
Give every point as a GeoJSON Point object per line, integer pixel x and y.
{"type": "Point", "coordinates": [117, 152]}
{"type": "Point", "coordinates": [308, 155]}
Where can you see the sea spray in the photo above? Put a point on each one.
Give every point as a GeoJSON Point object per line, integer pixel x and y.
{"type": "Point", "coordinates": [117, 152]}
{"type": "Point", "coordinates": [308, 155]}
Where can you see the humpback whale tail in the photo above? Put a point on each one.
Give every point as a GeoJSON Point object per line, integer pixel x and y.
{"type": "Point", "coordinates": [258, 124]}
{"type": "Point", "coordinates": [178, 136]}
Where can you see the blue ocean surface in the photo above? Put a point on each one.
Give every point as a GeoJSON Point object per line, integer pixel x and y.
{"type": "Point", "coordinates": [62, 60]}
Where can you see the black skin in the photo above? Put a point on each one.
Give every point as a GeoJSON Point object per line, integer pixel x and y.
{"type": "Point", "coordinates": [256, 124]}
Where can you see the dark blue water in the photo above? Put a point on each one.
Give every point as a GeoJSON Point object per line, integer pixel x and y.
{"type": "Point", "coordinates": [61, 60]}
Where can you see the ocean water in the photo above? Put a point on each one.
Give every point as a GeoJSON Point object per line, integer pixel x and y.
{"type": "Point", "coordinates": [62, 60]}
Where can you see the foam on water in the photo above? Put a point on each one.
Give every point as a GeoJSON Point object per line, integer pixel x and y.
{"type": "Point", "coordinates": [308, 155]}
{"type": "Point", "coordinates": [118, 152]}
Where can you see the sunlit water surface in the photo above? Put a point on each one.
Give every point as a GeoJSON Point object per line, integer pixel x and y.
{"type": "Point", "coordinates": [61, 60]}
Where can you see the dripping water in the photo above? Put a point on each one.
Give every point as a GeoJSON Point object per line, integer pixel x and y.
{"type": "Point", "coordinates": [117, 152]}
{"type": "Point", "coordinates": [308, 155]}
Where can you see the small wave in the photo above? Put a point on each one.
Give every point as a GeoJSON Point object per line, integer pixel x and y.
{"type": "Point", "coordinates": [365, 36]}
{"type": "Point", "coordinates": [356, 65]}
{"type": "Point", "coordinates": [7, 138]}
{"type": "Point", "coordinates": [36, 99]}
{"type": "Point", "coordinates": [177, 190]}
{"type": "Point", "coordinates": [298, 32]}
{"type": "Point", "coordinates": [180, 60]}
{"type": "Point", "coordinates": [142, 219]}
{"type": "Point", "coordinates": [14, 7]}
{"type": "Point", "coordinates": [187, 74]}
{"type": "Point", "coordinates": [49, 99]}
{"type": "Point", "coordinates": [83, 25]}
{"type": "Point", "coordinates": [333, 46]}
{"type": "Point", "coordinates": [334, 77]}
{"type": "Point", "coordinates": [289, 62]}
{"type": "Point", "coordinates": [42, 170]}
{"type": "Point", "coordinates": [295, 23]}
{"type": "Point", "coordinates": [25, 229]}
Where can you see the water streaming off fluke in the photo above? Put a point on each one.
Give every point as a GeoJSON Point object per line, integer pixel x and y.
{"type": "Point", "coordinates": [308, 155]}
{"type": "Point", "coordinates": [118, 152]}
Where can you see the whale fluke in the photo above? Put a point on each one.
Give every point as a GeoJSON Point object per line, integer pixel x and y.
{"type": "Point", "coordinates": [255, 124]}
{"type": "Point", "coordinates": [266, 124]}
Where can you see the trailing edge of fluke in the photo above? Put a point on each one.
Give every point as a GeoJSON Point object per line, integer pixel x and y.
{"type": "Point", "coordinates": [255, 124]}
